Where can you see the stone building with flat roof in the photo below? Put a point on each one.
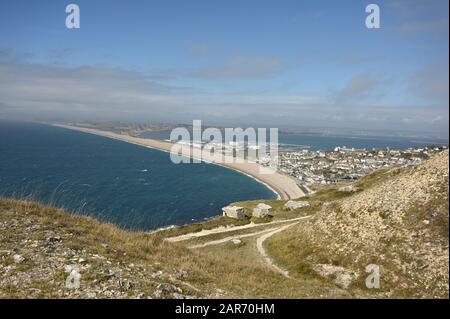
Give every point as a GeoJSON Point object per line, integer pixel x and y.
{"type": "Point", "coordinates": [234, 212]}
{"type": "Point", "coordinates": [261, 210]}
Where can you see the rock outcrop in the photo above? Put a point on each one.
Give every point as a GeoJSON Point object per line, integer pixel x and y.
{"type": "Point", "coordinates": [292, 204]}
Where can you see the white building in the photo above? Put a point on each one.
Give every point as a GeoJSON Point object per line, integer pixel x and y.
{"type": "Point", "coordinates": [234, 212]}
{"type": "Point", "coordinates": [261, 210]}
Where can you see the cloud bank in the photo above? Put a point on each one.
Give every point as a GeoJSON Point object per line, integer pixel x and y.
{"type": "Point", "coordinates": [45, 92]}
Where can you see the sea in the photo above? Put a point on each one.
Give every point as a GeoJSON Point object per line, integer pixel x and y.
{"type": "Point", "coordinates": [132, 186]}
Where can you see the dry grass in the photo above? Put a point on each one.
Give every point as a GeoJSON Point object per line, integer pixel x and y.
{"type": "Point", "coordinates": [406, 237]}
{"type": "Point", "coordinates": [208, 270]}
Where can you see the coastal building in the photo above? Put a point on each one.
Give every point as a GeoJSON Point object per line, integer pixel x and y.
{"type": "Point", "coordinates": [234, 212]}
{"type": "Point", "coordinates": [261, 210]}
{"type": "Point", "coordinates": [343, 164]}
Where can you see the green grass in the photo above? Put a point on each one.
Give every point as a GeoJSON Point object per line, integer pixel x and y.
{"type": "Point", "coordinates": [207, 270]}
{"type": "Point", "coordinates": [222, 221]}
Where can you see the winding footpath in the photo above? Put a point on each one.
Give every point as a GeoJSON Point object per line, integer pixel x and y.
{"type": "Point", "coordinates": [260, 246]}
{"type": "Point", "coordinates": [220, 230]}
{"type": "Point", "coordinates": [263, 235]}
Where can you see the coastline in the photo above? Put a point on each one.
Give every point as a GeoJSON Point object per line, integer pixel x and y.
{"type": "Point", "coordinates": [252, 177]}
{"type": "Point", "coordinates": [284, 186]}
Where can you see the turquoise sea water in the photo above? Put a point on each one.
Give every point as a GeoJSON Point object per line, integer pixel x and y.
{"type": "Point", "coordinates": [131, 186]}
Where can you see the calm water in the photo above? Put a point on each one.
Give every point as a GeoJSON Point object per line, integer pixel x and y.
{"type": "Point", "coordinates": [329, 142]}
{"type": "Point", "coordinates": [131, 186]}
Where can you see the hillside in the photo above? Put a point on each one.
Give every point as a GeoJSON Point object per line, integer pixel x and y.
{"type": "Point", "coordinates": [397, 219]}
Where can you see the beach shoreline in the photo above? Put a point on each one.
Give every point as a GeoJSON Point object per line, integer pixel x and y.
{"type": "Point", "coordinates": [284, 186]}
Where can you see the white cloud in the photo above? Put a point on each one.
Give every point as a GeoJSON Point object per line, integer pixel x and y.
{"type": "Point", "coordinates": [359, 87]}
{"type": "Point", "coordinates": [30, 91]}
{"type": "Point", "coordinates": [237, 68]}
{"type": "Point", "coordinates": [432, 82]}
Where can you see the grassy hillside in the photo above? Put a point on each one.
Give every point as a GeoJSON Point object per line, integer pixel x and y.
{"type": "Point", "coordinates": [397, 219]}
{"type": "Point", "coordinates": [37, 243]}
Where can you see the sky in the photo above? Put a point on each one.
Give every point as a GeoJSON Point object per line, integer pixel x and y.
{"type": "Point", "coordinates": [251, 63]}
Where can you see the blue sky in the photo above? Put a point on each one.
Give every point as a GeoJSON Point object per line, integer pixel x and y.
{"type": "Point", "coordinates": [300, 63]}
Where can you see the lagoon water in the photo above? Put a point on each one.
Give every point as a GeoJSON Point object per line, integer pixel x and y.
{"type": "Point", "coordinates": [129, 185]}
{"type": "Point", "coordinates": [329, 142]}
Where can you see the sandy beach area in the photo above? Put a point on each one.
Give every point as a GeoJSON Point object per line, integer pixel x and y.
{"type": "Point", "coordinates": [283, 185]}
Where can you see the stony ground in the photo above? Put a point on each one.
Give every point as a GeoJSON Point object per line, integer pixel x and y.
{"type": "Point", "coordinates": [396, 219]}
{"type": "Point", "coordinates": [49, 253]}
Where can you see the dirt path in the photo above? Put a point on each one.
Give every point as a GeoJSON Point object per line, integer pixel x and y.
{"type": "Point", "coordinates": [260, 246]}
{"type": "Point", "coordinates": [220, 230]}
{"type": "Point", "coordinates": [263, 236]}
{"type": "Point", "coordinates": [224, 240]}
